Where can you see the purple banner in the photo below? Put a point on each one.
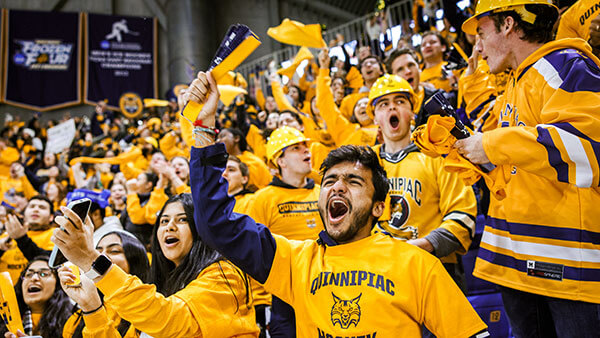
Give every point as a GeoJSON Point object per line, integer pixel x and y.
{"type": "Point", "coordinates": [120, 57]}
{"type": "Point", "coordinates": [42, 53]}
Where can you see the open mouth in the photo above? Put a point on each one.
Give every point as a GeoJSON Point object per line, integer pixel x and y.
{"type": "Point", "coordinates": [34, 289]}
{"type": "Point", "coordinates": [338, 208]}
{"type": "Point", "coordinates": [394, 121]}
{"type": "Point", "coordinates": [171, 240]}
{"type": "Point", "coordinates": [410, 81]}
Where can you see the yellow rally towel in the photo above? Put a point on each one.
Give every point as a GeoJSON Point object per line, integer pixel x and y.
{"type": "Point", "coordinates": [155, 103]}
{"type": "Point", "coordinates": [470, 173]}
{"type": "Point", "coordinates": [9, 309]}
{"type": "Point", "coordinates": [434, 139]}
{"type": "Point", "coordinates": [228, 93]}
{"type": "Point", "coordinates": [354, 78]}
{"type": "Point", "coordinates": [303, 54]}
{"type": "Point", "coordinates": [122, 158]}
{"type": "Point", "coordinates": [234, 79]}
{"type": "Point", "coordinates": [298, 34]}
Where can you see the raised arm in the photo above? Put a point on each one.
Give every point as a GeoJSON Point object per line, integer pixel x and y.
{"type": "Point", "coordinates": [279, 96]}
{"type": "Point", "coordinates": [18, 232]}
{"type": "Point", "coordinates": [244, 242]}
{"type": "Point", "coordinates": [338, 125]}
{"type": "Point", "coordinates": [258, 93]}
{"type": "Point", "coordinates": [248, 245]}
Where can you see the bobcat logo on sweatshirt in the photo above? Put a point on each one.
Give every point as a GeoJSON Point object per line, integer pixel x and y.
{"type": "Point", "coordinates": [345, 312]}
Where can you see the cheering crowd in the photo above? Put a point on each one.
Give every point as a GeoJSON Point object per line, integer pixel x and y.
{"type": "Point", "coordinates": [335, 204]}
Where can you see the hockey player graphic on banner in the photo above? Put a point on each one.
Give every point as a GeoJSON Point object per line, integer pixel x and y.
{"type": "Point", "coordinates": [118, 28]}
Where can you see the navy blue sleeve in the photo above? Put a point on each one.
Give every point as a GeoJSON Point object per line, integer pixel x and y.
{"type": "Point", "coordinates": [29, 249]}
{"type": "Point", "coordinates": [34, 179]}
{"type": "Point", "coordinates": [248, 245]}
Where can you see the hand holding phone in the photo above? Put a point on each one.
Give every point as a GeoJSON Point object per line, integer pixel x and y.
{"type": "Point", "coordinates": [81, 208]}
{"type": "Point", "coordinates": [76, 240]}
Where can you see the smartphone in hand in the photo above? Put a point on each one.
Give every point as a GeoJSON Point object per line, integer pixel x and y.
{"type": "Point", "coordinates": [81, 207]}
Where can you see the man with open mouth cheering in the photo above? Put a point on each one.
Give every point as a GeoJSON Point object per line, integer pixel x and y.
{"type": "Point", "coordinates": [344, 283]}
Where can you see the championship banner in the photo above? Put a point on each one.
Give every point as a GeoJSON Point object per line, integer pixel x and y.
{"type": "Point", "coordinates": [41, 59]}
{"type": "Point", "coordinates": [120, 58]}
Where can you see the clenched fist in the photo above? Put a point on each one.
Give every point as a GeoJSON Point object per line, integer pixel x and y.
{"type": "Point", "coordinates": [204, 90]}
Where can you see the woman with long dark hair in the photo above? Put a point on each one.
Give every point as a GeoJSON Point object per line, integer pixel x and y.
{"type": "Point", "coordinates": [124, 250]}
{"type": "Point", "coordinates": [198, 293]}
{"type": "Point", "coordinates": [173, 268]}
{"type": "Point", "coordinates": [43, 305]}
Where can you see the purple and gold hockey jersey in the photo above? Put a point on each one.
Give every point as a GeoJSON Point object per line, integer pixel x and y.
{"type": "Point", "coordinates": [544, 237]}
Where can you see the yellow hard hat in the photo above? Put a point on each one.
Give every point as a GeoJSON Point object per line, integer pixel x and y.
{"type": "Point", "coordinates": [388, 84]}
{"type": "Point", "coordinates": [485, 7]}
{"type": "Point", "coordinates": [280, 139]}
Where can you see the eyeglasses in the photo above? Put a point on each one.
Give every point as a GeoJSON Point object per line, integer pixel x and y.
{"type": "Point", "coordinates": [42, 273]}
